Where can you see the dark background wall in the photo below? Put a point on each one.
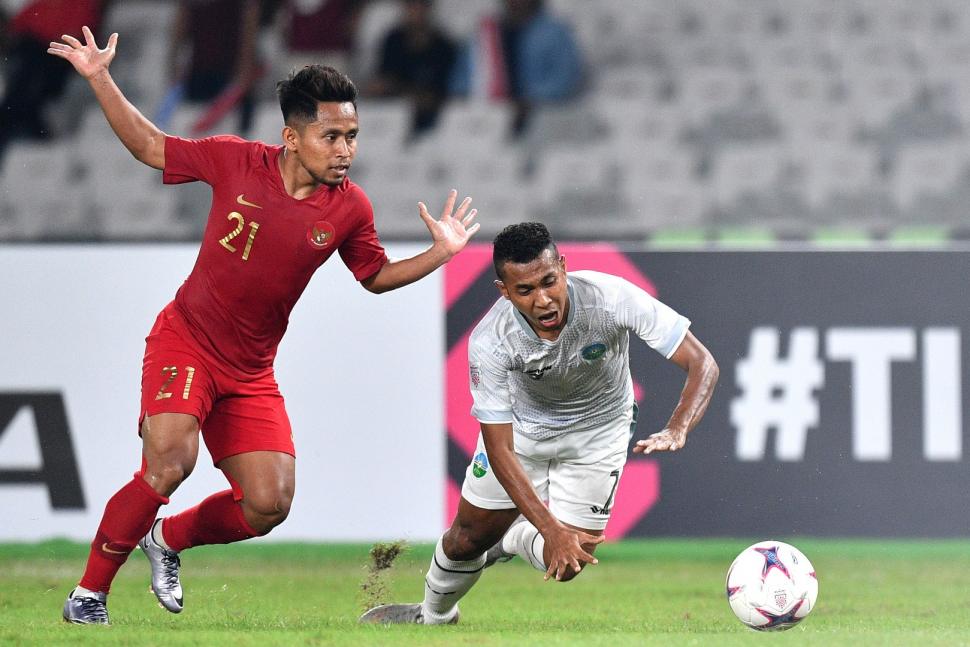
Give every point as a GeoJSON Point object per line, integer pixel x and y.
{"type": "Point", "coordinates": [839, 409]}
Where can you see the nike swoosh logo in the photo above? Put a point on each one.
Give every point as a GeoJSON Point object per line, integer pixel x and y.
{"type": "Point", "coordinates": [105, 548]}
{"type": "Point", "coordinates": [241, 200]}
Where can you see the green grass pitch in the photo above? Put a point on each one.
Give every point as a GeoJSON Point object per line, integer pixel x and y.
{"type": "Point", "coordinates": [655, 592]}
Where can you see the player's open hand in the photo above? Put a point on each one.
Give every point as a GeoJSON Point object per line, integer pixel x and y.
{"type": "Point", "coordinates": [566, 552]}
{"type": "Point", "coordinates": [665, 440]}
{"type": "Point", "coordinates": [452, 231]}
{"type": "Point", "coordinates": [87, 59]}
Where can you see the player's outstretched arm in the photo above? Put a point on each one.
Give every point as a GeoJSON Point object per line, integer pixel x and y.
{"type": "Point", "coordinates": [449, 236]}
{"type": "Point", "coordinates": [563, 543]}
{"type": "Point", "coordinates": [702, 374]}
{"type": "Point", "coordinates": [140, 136]}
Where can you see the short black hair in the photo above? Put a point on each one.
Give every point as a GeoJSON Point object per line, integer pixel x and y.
{"type": "Point", "coordinates": [521, 243]}
{"type": "Point", "coordinates": [302, 90]}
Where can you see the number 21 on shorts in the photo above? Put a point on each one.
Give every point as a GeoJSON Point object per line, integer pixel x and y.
{"type": "Point", "coordinates": [172, 372]}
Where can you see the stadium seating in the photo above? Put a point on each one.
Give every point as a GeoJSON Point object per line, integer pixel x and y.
{"type": "Point", "coordinates": [786, 113]}
{"type": "Point", "coordinates": [36, 175]}
{"type": "Point", "coordinates": [926, 173]}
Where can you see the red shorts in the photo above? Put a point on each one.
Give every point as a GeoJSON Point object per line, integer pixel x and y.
{"type": "Point", "coordinates": [237, 414]}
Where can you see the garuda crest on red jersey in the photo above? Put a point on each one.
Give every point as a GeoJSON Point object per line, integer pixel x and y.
{"type": "Point", "coordinates": [320, 234]}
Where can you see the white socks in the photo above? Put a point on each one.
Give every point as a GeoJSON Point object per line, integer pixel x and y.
{"type": "Point", "coordinates": [157, 535]}
{"type": "Point", "coordinates": [447, 582]}
{"type": "Point", "coordinates": [81, 592]}
{"type": "Point", "coordinates": [524, 540]}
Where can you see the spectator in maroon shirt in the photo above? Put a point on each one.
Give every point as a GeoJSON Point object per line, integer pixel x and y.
{"type": "Point", "coordinates": [213, 46]}
{"type": "Point", "coordinates": [320, 32]}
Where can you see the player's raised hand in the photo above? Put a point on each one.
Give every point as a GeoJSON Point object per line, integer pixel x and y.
{"type": "Point", "coordinates": [86, 58]}
{"type": "Point", "coordinates": [566, 552]}
{"type": "Point", "coordinates": [665, 440]}
{"type": "Point", "coordinates": [452, 231]}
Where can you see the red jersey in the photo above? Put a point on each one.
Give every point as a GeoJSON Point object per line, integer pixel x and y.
{"type": "Point", "coordinates": [261, 245]}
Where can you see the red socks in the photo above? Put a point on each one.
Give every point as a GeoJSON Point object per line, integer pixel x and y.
{"type": "Point", "coordinates": [218, 519]}
{"type": "Point", "coordinates": [128, 516]}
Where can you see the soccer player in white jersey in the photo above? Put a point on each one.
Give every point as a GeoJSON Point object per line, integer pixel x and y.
{"type": "Point", "coordinates": [550, 378]}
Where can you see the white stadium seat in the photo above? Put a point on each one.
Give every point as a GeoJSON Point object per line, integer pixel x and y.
{"type": "Point", "coordinates": [661, 188]}
{"type": "Point", "coordinates": [830, 170]}
{"type": "Point", "coordinates": [39, 190]}
{"type": "Point", "coordinates": [745, 171]}
{"type": "Point", "coordinates": [384, 124]}
{"type": "Point", "coordinates": [703, 91]}
{"type": "Point", "coordinates": [876, 94]}
{"type": "Point", "coordinates": [474, 123]}
{"type": "Point", "coordinates": [927, 169]}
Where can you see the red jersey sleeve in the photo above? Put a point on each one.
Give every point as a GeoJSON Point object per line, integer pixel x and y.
{"type": "Point", "coordinates": [209, 159]}
{"type": "Point", "coordinates": [362, 251]}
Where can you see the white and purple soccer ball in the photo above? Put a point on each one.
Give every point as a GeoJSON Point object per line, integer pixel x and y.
{"type": "Point", "coordinates": [771, 586]}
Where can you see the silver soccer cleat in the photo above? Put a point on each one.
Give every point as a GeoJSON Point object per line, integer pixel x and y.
{"type": "Point", "coordinates": [90, 609]}
{"type": "Point", "coordinates": [165, 573]}
{"type": "Point", "coordinates": [392, 614]}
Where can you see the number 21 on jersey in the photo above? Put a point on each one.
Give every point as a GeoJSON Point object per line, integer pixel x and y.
{"type": "Point", "coordinates": [240, 225]}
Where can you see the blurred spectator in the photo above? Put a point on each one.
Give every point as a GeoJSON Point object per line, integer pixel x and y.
{"type": "Point", "coordinates": [416, 61]}
{"type": "Point", "coordinates": [526, 55]}
{"type": "Point", "coordinates": [4, 29]}
{"type": "Point", "coordinates": [213, 52]}
{"type": "Point", "coordinates": [320, 32]}
{"type": "Point", "coordinates": [33, 77]}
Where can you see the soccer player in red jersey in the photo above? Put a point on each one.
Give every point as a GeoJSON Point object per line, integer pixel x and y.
{"type": "Point", "coordinates": [278, 213]}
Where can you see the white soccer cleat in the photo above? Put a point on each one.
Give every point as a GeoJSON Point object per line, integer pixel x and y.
{"type": "Point", "coordinates": [165, 573]}
{"type": "Point", "coordinates": [393, 614]}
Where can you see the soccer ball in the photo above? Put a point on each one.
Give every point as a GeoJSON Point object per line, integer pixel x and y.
{"type": "Point", "coordinates": [771, 586]}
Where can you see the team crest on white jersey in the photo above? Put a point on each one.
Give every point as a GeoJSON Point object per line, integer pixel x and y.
{"type": "Point", "coordinates": [594, 351]}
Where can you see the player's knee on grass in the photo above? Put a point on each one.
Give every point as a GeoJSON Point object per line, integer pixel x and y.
{"type": "Point", "coordinates": [266, 507]}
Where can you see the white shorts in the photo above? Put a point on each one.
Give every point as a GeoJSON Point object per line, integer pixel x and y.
{"type": "Point", "coordinates": [577, 472]}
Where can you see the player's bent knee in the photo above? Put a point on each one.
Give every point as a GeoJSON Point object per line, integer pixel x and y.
{"type": "Point", "coordinates": [462, 546]}
{"type": "Point", "coordinates": [266, 510]}
{"type": "Point", "coordinates": [263, 522]}
{"type": "Point", "coordinates": [165, 479]}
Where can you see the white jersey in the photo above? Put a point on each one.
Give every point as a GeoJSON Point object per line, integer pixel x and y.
{"type": "Point", "coordinates": [578, 382]}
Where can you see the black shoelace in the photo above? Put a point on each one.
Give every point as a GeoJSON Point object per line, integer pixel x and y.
{"type": "Point", "coordinates": [93, 609]}
{"type": "Point", "coordinates": [170, 566]}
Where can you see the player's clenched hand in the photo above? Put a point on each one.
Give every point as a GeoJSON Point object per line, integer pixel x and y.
{"type": "Point", "coordinates": [87, 59]}
{"type": "Point", "coordinates": [665, 440]}
{"type": "Point", "coordinates": [452, 231]}
{"type": "Point", "coordinates": [566, 552]}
